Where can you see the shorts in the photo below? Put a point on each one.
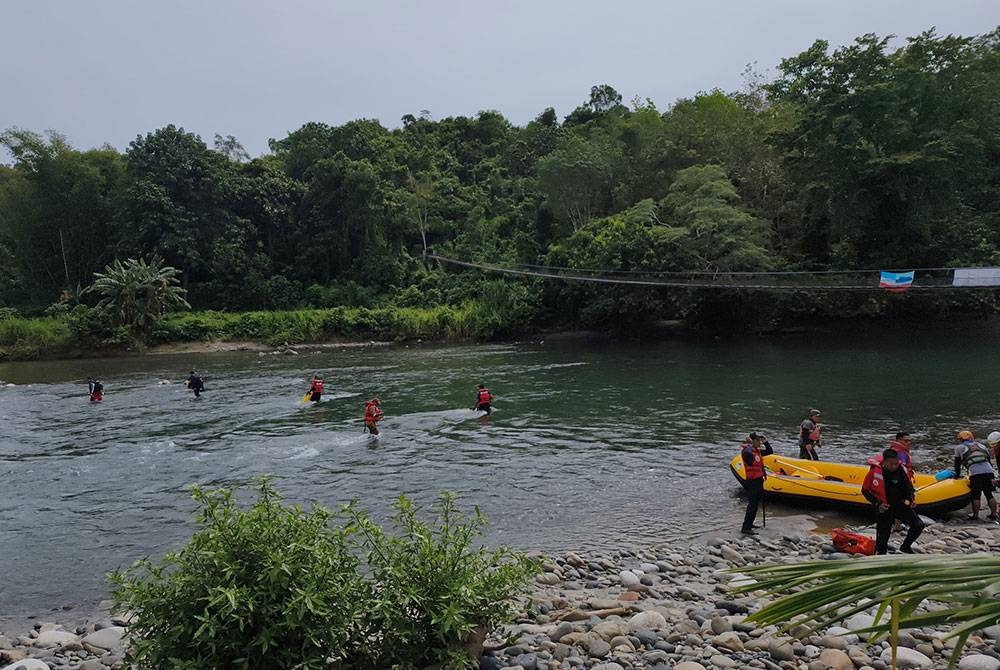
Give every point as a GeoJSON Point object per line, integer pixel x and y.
{"type": "Point", "coordinates": [981, 485]}
{"type": "Point", "coordinates": [484, 407]}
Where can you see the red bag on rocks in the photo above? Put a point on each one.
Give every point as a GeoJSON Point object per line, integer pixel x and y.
{"type": "Point", "coordinates": [852, 543]}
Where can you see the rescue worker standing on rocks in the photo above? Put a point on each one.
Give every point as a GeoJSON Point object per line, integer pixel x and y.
{"type": "Point", "coordinates": [809, 440]}
{"type": "Point", "coordinates": [888, 487]}
{"type": "Point", "coordinates": [976, 459]}
{"type": "Point", "coordinates": [753, 468]}
{"type": "Point", "coordinates": [483, 400]}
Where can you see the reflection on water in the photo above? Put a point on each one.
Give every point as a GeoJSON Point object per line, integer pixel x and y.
{"type": "Point", "coordinates": [591, 445]}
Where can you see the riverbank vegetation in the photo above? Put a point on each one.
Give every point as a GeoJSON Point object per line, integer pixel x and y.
{"type": "Point", "coordinates": [276, 586]}
{"type": "Point", "coordinates": [879, 154]}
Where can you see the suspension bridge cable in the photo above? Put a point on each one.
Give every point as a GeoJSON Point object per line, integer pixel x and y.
{"type": "Point", "coordinates": [487, 267]}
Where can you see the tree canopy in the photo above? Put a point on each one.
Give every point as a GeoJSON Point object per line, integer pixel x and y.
{"type": "Point", "coordinates": [881, 153]}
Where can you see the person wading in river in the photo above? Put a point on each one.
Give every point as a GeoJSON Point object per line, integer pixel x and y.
{"type": "Point", "coordinates": [483, 400]}
{"type": "Point", "coordinates": [809, 440]}
{"type": "Point", "coordinates": [315, 391]}
{"type": "Point", "coordinates": [195, 384]}
{"type": "Point", "coordinates": [373, 414]}
{"type": "Point", "coordinates": [753, 468]}
{"type": "Point", "coordinates": [976, 459]}
{"type": "Point", "coordinates": [888, 487]}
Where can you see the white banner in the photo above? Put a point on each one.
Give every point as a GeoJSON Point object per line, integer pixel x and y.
{"type": "Point", "coordinates": [976, 277]}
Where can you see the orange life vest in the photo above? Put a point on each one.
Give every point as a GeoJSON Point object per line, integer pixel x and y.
{"type": "Point", "coordinates": [485, 396]}
{"type": "Point", "coordinates": [372, 413]}
{"type": "Point", "coordinates": [317, 386]}
{"type": "Point", "coordinates": [754, 469]}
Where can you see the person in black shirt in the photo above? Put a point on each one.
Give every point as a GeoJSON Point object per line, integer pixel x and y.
{"type": "Point", "coordinates": [888, 487]}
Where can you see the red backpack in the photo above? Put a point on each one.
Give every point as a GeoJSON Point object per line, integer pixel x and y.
{"type": "Point", "coordinates": [852, 543]}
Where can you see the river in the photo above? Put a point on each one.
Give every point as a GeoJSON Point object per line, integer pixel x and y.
{"type": "Point", "coordinates": [592, 445]}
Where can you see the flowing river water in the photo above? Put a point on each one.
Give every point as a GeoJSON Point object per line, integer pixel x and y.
{"type": "Point", "coordinates": [593, 445]}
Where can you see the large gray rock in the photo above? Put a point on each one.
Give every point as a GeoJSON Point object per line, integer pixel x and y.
{"type": "Point", "coordinates": [598, 648]}
{"type": "Point", "coordinates": [649, 620]}
{"type": "Point", "coordinates": [906, 658]}
{"type": "Point", "coordinates": [721, 661]}
{"type": "Point", "coordinates": [689, 665]}
{"type": "Point", "coordinates": [979, 662]}
{"type": "Point", "coordinates": [628, 578]}
{"type": "Point", "coordinates": [730, 641]}
{"type": "Point", "coordinates": [780, 650]}
{"type": "Point", "coordinates": [608, 666]}
{"type": "Point", "coordinates": [27, 664]}
{"type": "Point", "coordinates": [106, 638]}
{"type": "Point", "coordinates": [836, 659]}
{"type": "Point", "coordinates": [55, 638]}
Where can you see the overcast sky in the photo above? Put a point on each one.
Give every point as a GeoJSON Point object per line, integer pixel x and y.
{"type": "Point", "coordinates": [106, 70]}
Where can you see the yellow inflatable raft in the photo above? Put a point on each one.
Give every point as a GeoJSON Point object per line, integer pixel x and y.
{"type": "Point", "coordinates": [839, 485]}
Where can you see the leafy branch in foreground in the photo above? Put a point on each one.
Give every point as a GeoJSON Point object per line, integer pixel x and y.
{"type": "Point", "coordinates": [964, 590]}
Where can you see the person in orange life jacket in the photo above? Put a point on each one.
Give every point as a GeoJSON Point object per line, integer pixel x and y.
{"type": "Point", "coordinates": [373, 414]}
{"type": "Point", "coordinates": [888, 487]}
{"type": "Point", "coordinates": [976, 458]}
{"type": "Point", "coordinates": [316, 388]}
{"type": "Point", "coordinates": [809, 440]}
{"type": "Point", "coordinates": [483, 400]}
{"type": "Point", "coordinates": [96, 389]}
{"type": "Point", "coordinates": [753, 468]}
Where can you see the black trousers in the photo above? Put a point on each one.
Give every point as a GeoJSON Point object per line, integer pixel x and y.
{"type": "Point", "coordinates": [755, 493]}
{"type": "Point", "coordinates": [885, 520]}
{"type": "Point", "coordinates": [808, 455]}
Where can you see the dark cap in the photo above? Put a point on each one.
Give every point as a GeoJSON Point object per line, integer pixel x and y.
{"type": "Point", "coordinates": [889, 453]}
{"type": "Point", "coordinates": [755, 436]}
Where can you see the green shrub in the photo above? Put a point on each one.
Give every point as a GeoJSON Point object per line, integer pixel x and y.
{"type": "Point", "coordinates": [434, 593]}
{"type": "Point", "coordinates": [270, 587]}
{"type": "Point", "coordinates": [274, 587]}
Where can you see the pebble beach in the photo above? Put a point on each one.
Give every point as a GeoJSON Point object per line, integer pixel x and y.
{"type": "Point", "coordinates": [657, 607]}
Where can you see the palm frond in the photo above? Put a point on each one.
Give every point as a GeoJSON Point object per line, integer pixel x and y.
{"type": "Point", "coordinates": [819, 594]}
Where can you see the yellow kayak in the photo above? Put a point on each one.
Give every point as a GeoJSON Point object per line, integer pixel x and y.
{"type": "Point", "coordinates": [839, 485]}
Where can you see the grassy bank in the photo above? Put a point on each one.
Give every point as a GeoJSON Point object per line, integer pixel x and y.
{"type": "Point", "coordinates": [77, 335]}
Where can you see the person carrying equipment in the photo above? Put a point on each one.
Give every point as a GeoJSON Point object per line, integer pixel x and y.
{"type": "Point", "coordinates": [809, 440]}
{"type": "Point", "coordinates": [483, 400]}
{"type": "Point", "coordinates": [315, 392]}
{"type": "Point", "coordinates": [373, 414]}
{"type": "Point", "coordinates": [976, 459]}
{"type": "Point", "coordinates": [753, 468]}
{"type": "Point", "coordinates": [96, 389]}
{"type": "Point", "coordinates": [195, 383]}
{"type": "Point", "coordinates": [888, 487]}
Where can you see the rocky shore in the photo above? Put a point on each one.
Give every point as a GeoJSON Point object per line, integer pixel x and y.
{"type": "Point", "coordinates": [658, 608]}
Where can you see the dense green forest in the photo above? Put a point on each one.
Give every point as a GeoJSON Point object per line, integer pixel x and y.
{"type": "Point", "coordinates": [882, 153]}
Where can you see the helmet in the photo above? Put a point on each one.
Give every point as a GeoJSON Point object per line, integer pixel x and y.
{"type": "Point", "coordinates": [966, 435]}
{"type": "Point", "coordinates": [814, 412]}
{"type": "Point", "coordinates": [993, 438]}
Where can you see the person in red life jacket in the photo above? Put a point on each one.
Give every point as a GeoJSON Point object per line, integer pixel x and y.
{"type": "Point", "coordinates": [753, 468]}
{"type": "Point", "coordinates": [96, 389]}
{"type": "Point", "coordinates": [483, 400]}
{"type": "Point", "coordinates": [901, 445]}
{"type": "Point", "coordinates": [888, 487]}
{"type": "Point", "coordinates": [316, 389]}
{"type": "Point", "coordinates": [976, 459]}
{"type": "Point", "coordinates": [373, 414]}
{"type": "Point", "coordinates": [809, 440]}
